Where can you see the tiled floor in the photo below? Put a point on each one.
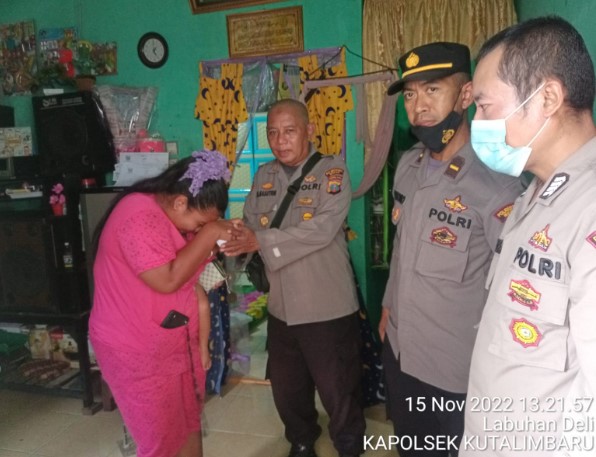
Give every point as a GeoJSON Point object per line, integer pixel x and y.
{"type": "Point", "coordinates": [241, 422]}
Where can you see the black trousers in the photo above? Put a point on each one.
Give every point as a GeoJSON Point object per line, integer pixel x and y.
{"type": "Point", "coordinates": [426, 419]}
{"type": "Point", "coordinates": [325, 355]}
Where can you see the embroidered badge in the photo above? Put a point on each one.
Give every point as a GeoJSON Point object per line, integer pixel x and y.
{"type": "Point", "coordinates": [443, 236]}
{"type": "Point", "coordinates": [503, 213]}
{"type": "Point", "coordinates": [541, 240]}
{"type": "Point", "coordinates": [335, 177]}
{"type": "Point", "coordinates": [455, 167]}
{"type": "Point", "coordinates": [267, 185]}
{"type": "Point", "coordinates": [412, 60]}
{"type": "Point", "coordinates": [264, 220]}
{"type": "Point", "coordinates": [306, 216]}
{"type": "Point", "coordinates": [395, 214]}
{"type": "Point", "coordinates": [523, 293]}
{"type": "Point", "coordinates": [592, 239]}
{"type": "Point", "coordinates": [455, 205]}
{"type": "Point", "coordinates": [525, 333]}
{"type": "Point", "coordinates": [310, 178]}
{"type": "Point", "coordinates": [558, 181]}
{"type": "Point", "coordinates": [305, 201]}
{"type": "Point", "coordinates": [447, 135]}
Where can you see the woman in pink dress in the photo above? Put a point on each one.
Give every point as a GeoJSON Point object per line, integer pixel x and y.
{"type": "Point", "coordinates": [150, 248]}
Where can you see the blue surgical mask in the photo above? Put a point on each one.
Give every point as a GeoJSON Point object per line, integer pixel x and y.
{"type": "Point", "coordinates": [488, 141]}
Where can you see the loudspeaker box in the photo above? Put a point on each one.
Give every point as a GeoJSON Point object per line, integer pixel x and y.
{"type": "Point", "coordinates": [73, 134]}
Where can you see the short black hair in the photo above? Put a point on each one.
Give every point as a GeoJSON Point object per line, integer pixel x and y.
{"type": "Point", "coordinates": [545, 47]}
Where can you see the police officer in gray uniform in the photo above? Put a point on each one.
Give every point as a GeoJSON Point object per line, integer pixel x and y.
{"type": "Point", "coordinates": [533, 374]}
{"type": "Point", "coordinates": [313, 334]}
{"type": "Point", "coordinates": [449, 210]}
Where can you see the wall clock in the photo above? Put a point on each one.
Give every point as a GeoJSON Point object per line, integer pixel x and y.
{"type": "Point", "coordinates": [153, 50]}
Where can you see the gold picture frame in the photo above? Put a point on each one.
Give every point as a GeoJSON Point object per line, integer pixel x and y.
{"type": "Point", "coordinates": [265, 33]}
{"type": "Point", "coordinates": [207, 6]}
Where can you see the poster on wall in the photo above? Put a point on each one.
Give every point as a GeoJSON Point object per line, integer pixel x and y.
{"type": "Point", "coordinates": [17, 57]}
{"type": "Point", "coordinates": [56, 47]}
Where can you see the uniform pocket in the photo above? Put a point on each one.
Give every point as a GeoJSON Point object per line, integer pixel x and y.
{"type": "Point", "coordinates": [264, 211]}
{"type": "Point", "coordinates": [443, 251]}
{"type": "Point", "coordinates": [531, 328]}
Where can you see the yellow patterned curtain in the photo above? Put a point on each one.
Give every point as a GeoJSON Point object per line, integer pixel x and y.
{"type": "Point", "coordinates": [328, 105]}
{"type": "Point", "coordinates": [392, 27]}
{"type": "Point", "coordinates": [221, 106]}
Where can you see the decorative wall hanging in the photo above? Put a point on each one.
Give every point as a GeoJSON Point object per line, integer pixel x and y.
{"type": "Point", "coordinates": [264, 33]}
{"type": "Point", "coordinates": [207, 6]}
{"type": "Point", "coordinates": [17, 59]}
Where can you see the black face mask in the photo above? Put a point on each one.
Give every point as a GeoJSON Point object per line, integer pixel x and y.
{"type": "Point", "coordinates": [438, 136]}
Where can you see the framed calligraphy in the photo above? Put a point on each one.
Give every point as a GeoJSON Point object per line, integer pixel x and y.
{"type": "Point", "coordinates": [265, 32]}
{"type": "Point", "coordinates": [207, 6]}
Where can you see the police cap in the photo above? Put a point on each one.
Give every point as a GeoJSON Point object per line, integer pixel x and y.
{"type": "Point", "coordinates": [432, 61]}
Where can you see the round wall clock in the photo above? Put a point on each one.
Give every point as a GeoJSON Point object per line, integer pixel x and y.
{"type": "Point", "coordinates": [153, 50]}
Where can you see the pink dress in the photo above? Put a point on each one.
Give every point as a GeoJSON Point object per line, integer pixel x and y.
{"type": "Point", "coordinates": [152, 372]}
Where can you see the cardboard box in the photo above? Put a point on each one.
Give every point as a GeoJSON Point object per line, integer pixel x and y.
{"type": "Point", "coordinates": [15, 142]}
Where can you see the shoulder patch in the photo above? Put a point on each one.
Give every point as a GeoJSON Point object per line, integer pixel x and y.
{"type": "Point", "coordinates": [335, 177]}
{"type": "Point", "coordinates": [503, 213]}
{"type": "Point", "coordinates": [591, 238]}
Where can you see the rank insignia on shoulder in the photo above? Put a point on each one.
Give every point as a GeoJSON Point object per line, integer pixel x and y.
{"type": "Point", "coordinates": [455, 205]}
{"type": "Point", "coordinates": [263, 220]}
{"type": "Point", "coordinates": [503, 213]}
{"type": "Point", "coordinates": [591, 238]}
{"type": "Point", "coordinates": [335, 177]}
{"type": "Point", "coordinates": [454, 167]}
{"type": "Point", "coordinates": [555, 184]}
{"type": "Point", "coordinates": [399, 197]}
{"type": "Point", "coordinates": [541, 240]}
{"type": "Point", "coordinates": [524, 332]}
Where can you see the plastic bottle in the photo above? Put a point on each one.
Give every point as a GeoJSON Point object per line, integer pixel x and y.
{"type": "Point", "coordinates": [67, 256]}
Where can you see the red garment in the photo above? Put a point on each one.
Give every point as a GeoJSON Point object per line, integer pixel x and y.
{"type": "Point", "coordinates": [147, 367]}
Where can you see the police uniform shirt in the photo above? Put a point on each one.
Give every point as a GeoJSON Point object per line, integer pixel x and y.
{"type": "Point", "coordinates": [447, 226]}
{"type": "Point", "coordinates": [536, 347]}
{"type": "Point", "coordinates": [307, 259]}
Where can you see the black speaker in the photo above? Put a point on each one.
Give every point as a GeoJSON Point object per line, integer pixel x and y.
{"type": "Point", "coordinates": [34, 277]}
{"type": "Point", "coordinates": [73, 134]}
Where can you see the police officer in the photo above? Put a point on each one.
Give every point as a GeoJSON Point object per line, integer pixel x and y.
{"type": "Point", "coordinates": [313, 334]}
{"type": "Point", "coordinates": [448, 210]}
{"type": "Point", "coordinates": [535, 352]}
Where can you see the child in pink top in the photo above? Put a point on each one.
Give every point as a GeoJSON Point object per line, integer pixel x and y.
{"type": "Point", "coordinates": [154, 242]}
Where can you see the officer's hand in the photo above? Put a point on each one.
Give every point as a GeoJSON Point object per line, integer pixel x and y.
{"type": "Point", "coordinates": [383, 323]}
{"type": "Point", "coordinates": [243, 241]}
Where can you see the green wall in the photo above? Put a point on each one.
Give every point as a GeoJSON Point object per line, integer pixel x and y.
{"type": "Point", "coordinates": [192, 38]}
{"type": "Point", "coordinates": [580, 13]}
